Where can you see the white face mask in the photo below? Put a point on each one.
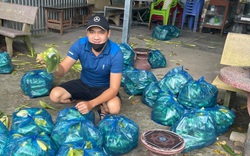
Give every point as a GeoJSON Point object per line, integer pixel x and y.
{"type": "Point", "coordinates": [98, 47]}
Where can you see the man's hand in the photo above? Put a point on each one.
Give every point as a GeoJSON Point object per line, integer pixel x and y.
{"type": "Point", "coordinates": [39, 59]}
{"type": "Point", "coordinates": [84, 107]}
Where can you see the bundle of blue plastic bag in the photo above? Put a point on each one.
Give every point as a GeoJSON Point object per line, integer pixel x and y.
{"type": "Point", "coordinates": [30, 145]}
{"type": "Point", "coordinates": [36, 83]}
{"type": "Point", "coordinates": [128, 53]}
{"type": "Point", "coordinates": [31, 121]}
{"type": "Point", "coordinates": [6, 65]}
{"type": "Point", "coordinates": [165, 32]}
{"type": "Point", "coordinates": [4, 135]}
{"type": "Point", "coordinates": [78, 129]}
{"type": "Point", "coordinates": [150, 94]}
{"type": "Point", "coordinates": [136, 80]}
{"type": "Point", "coordinates": [120, 134]}
{"type": "Point", "coordinates": [198, 94]}
{"type": "Point", "coordinates": [79, 149]}
{"type": "Point", "coordinates": [156, 59]}
{"type": "Point", "coordinates": [174, 80]}
{"type": "Point", "coordinates": [166, 110]}
{"type": "Point", "coordinates": [198, 129]}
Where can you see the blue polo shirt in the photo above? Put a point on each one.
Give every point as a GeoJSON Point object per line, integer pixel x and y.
{"type": "Point", "coordinates": [96, 69]}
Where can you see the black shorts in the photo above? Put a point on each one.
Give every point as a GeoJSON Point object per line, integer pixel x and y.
{"type": "Point", "coordinates": [81, 91]}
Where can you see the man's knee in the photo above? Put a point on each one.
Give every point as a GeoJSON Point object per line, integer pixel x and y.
{"type": "Point", "coordinates": [114, 106]}
{"type": "Point", "coordinates": [55, 95]}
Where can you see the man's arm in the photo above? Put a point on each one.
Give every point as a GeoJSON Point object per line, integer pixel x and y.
{"type": "Point", "coordinates": [64, 66]}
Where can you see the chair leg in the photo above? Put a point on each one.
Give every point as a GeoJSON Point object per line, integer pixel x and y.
{"type": "Point", "coordinates": [9, 44]}
{"type": "Point", "coordinates": [149, 22]}
{"type": "Point", "coordinates": [190, 22]}
{"type": "Point", "coordinates": [180, 19]}
{"type": "Point", "coordinates": [27, 40]}
{"type": "Point", "coordinates": [174, 16]}
{"type": "Point", "coordinates": [165, 20]}
{"type": "Point", "coordinates": [183, 20]}
{"type": "Point", "coordinates": [196, 23]}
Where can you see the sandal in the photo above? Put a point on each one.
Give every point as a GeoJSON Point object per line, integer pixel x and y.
{"type": "Point", "coordinates": [101, 115]}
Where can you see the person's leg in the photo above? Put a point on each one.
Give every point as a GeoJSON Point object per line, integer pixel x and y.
{"type": "Point", "coordinates": [113, 106]}
{"type": "Point", "coordinates": [60, 95]}
{"type": "Point", "coordinates": [70, 91]}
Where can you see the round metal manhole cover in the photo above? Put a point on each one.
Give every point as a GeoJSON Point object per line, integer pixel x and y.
{"type": "Point", "coordinates": [163, 142]}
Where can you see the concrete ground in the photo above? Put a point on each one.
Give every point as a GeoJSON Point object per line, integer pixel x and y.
{"type": "Point", "coordinates": [199, 53]}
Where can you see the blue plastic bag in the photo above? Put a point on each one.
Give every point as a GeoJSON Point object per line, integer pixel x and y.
{"type": "Point", "coordinates": [198, 94]}
{"type": "Point", "coordinates": [223, 116]}
{"type": "Point", "coordinates": [198, 129]}
{"type": "Point", "coordinates": [79, 129]}
{"type": "Point", "coordinates": [150, 93]}
{"type": "Point", "coordinates": [72, 113]}
{"type": "Point", "coordinates": [136, 80]}
{"type": "Point", "coordinates": [128, 53]}
{"type": "Point", "coordinates": [4, 136]}
{"type": "Point", "coordinates": [174, 80]}
{"type": "Point", "coordinates": [166, 110]}
{"type": "Point", "coordinates": [125, 69]}
{"type": "Point", "coordinates": [36, 83]}
{"type": "Point", "coordinates": [79, 149]}
{"type": "Point", "coordinates": [6, 65]}
{"type": "Point", "coordinates": [30, 145]}
{"type": "Point", "coordinates": [32, 121]}
{"type": "Point", "coordinates": [156, 59]}
{"type": "Point", "coordinates": [165, 32]}
{"type": "Point", "coordinates": [120, 134]}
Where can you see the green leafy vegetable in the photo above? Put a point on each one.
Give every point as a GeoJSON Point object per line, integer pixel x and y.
{"type": "Point", "coordinates": [51, 58]}
{"type": "Point", "coordinates": [45, 105]}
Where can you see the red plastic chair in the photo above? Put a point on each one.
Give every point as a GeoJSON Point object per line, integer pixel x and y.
{"type": "Point", "coordinates": [176, 10]}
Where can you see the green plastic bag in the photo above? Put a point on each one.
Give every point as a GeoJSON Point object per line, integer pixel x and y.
{"type": "Point", "coordinates": [51, 58]}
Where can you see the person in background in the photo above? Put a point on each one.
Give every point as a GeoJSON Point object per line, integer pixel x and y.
{"type": "Point", "coordinates": [101, 74]}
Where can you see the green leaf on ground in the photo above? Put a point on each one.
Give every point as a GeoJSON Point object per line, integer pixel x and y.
{"type": "Point", "coordinates": [45, 105]}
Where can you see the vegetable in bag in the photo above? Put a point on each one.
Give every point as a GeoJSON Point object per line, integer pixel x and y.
{"type": "Point", "coordinates": [36, 83]}
{"type": "Point", "coordinates": [120, 134]}
{"type": "Point", "coordinates": [80, 129]}
{"type": "Point", "coordinates": [6, 65]}
{"type": "Point", "coordinates": [4, 136]}
{"type": "Point", "coordinates": [79, 149]}
{"type": "Point", "coordinates": [51, 58]}
{"type": "Point", "coordinates": [32, 121]}
{"type": "Point", "coordinates": [197, 128]}
{"type": "Point", "coordinates": [72, 113]}
{"type": "Point", "coordinates": [30, 145]}
{"type": "Point", "coordinates": [198, 94]}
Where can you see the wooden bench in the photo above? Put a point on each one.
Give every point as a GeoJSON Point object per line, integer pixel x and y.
{"type": "Point", "coordinates": [12, 13]}
{"type": "Point", "coordinates": [234, 78]}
